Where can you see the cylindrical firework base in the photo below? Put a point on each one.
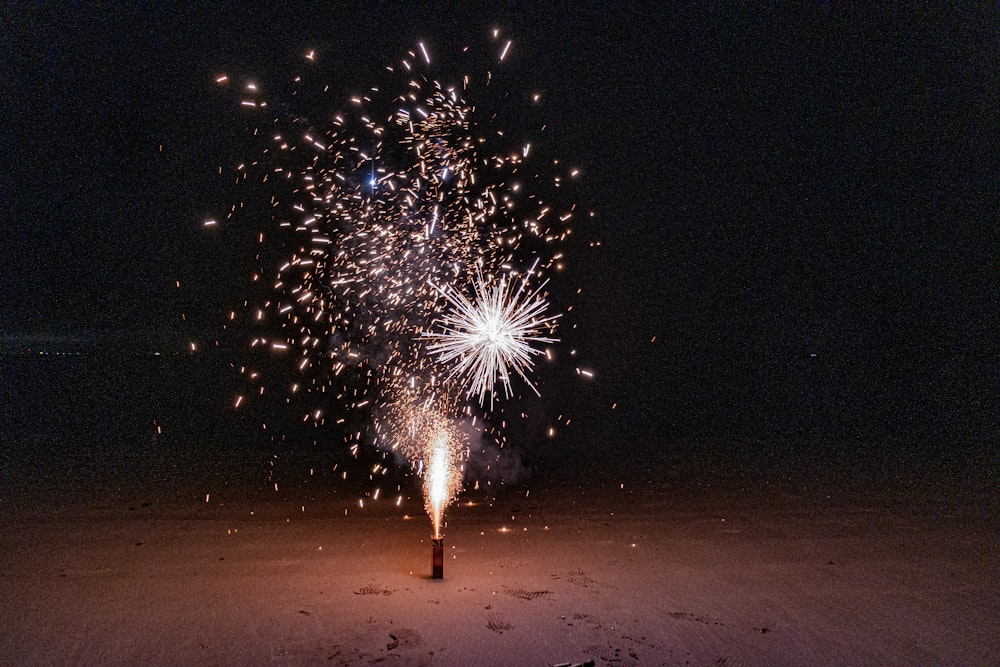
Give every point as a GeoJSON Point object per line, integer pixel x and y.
{"type": "Point", "coordinates": [437, 562]}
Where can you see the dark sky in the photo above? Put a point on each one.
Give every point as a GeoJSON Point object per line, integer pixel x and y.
{"type": "Point", "coordinates": [800, 206]}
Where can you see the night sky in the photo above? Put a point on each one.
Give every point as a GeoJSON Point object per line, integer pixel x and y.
{"type": "Point", "coordinates": [797, 210]}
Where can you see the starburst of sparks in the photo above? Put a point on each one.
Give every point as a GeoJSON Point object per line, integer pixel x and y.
{"type": "Point", "coordinates": [486, 338]}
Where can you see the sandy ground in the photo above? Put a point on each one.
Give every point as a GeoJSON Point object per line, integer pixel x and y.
{"type": "Point", "coordinates": [622, 572]}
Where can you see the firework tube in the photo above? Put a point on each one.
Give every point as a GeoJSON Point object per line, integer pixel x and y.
{"type": "Point", "coordinates": [437, 560]}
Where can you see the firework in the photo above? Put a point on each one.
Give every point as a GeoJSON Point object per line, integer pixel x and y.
{"type": "Point", "coordinates": [384, 219]}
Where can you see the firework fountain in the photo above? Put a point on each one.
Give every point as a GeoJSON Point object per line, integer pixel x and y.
{"type": "Point", "coordinates": [415, 244]}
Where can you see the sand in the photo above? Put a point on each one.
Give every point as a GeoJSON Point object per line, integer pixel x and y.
{"type": "Point", "coordinates": [561, 570]}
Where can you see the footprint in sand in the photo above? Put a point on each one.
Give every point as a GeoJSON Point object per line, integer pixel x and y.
{"type": "Point", "coordinates": [697, 618]}
{"type": "Point", "coordinates": [374, 589]}
{"type": "Point", "coordinates": [577, 578]}
{"type": "Point", "coordinates": [522, 594]}
{"type": "Point", "coordinates": [613, 655]}
{"type": "Point", "coordinates": [406, 649]}
{"type": "Point", "coordinates": [497, 625]}
{"type": "Point", "coordinates": [404, 637]}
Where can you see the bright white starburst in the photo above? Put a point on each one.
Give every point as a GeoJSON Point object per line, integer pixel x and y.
{"type": "Point", "coordinates": [484, 338]}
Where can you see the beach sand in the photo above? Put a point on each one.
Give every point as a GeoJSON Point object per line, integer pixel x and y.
{"type": "Point", "coordinates": [565, 569]}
